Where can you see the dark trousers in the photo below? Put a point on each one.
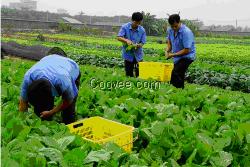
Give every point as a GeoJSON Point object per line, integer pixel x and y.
{"type": "Point", "coordinates": [68, 114]}
{"type": "Point", "coordinates": [131, 68]}
{"type": "Point", "coordinates": [178, 73]}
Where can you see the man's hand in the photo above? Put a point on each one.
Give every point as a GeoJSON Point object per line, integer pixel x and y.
{"type": "Point", "coordinates": [139, 45]}
{"type": "Point", "coordinates": [129, 42]}
{"type": "Point", "coordinates": [46, 114]}
{"type": "Point", "coordinates": [169, 55]}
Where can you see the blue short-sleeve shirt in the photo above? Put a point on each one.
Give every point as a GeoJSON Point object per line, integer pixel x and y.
{"type": "Point", "coordinates": [136, 36]}
{"type": "Point", "coordinates": [60, 71]}
{"type": "Point", "coordinates": [183, 39]}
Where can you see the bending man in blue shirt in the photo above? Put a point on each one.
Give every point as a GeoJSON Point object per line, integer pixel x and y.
{"type": "Point", "coordinates": [54, 75]}
{"type": "Point", "coordinates": [133, 37]}
{"type": "Point", "coordinates": [180, 47]}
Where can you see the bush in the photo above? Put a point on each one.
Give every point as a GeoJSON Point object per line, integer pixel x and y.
{"type": "Point", "coordinates": [64, 27]}
{"type": "Point", "coordinates": [40, 37]}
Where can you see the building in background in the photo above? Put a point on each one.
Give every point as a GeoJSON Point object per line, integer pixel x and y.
{"type": "Point", "coordinates": [15, 5]}
{"type": "Point", "coordinates": [24, 5]}
{"type": "Point", "coordinates": [71, 20]}
{"type": "Point", "coordinates": [108, 24]}
{"type": "Point", "coordinates": [62, 11]}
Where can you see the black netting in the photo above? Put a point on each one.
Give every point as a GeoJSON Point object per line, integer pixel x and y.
{"type": "Point", "coordinates": [35, 52]}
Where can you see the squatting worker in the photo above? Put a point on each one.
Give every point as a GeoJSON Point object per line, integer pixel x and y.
{"type": "Point", "coordinates": [54, 75]}
{"type": "Point", "coordinates": [180, 47]}
{"type": "Point", "coordinates": [132, 34]}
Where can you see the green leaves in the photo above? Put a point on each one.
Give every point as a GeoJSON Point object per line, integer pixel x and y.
{"type": "Point", "coordinates": [221, 143]}
{"type": "Point", "coordinates": [130, 48]}
{"type": "Point", "coordinates": [204, 144]}
{"type": "Point", "coordinates": [9, 162]}
{"type": "Point", "coordinates": [65, 141]}
{"type": "Point", "coordinates": [158, 128]}
{"type": "Point", "coordinates": [243, 129]}
{"type": "Point", "coordinates": [52, 154]}
{"type": "Point", "coordinates": [221, 159]}
{"type": "Point", "coordinates": [97, 156]}
{"type": "Point", "coordinates": [195, 126]}
{"type": "Point", "coordinates": [216, 64]}
{"type": "Point", "coordinates": [75, 157]}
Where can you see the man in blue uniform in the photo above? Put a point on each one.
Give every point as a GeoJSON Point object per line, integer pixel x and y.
{"type": "Point", "coordinates": [54, 75]}
{"type": "Point", "coordinates": [133, 37]}
{"type": "Point", "coordinates": [180, 47]}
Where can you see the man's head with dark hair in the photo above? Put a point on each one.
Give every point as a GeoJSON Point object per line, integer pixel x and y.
{"type": "Point", "coordinates": [137, 18]}
{"type": "Point", "coordinates": [174, 21]}
{"type": "Point", "coordinates": [57, 50]}
{"type": "Point", "coordinates": [174, 18]}
{"type": "Point", "coordinates": [39, 93]}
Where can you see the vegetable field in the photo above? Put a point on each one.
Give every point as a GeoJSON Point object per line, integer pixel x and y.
{"type": "Point", "coordinates": [205, 124]}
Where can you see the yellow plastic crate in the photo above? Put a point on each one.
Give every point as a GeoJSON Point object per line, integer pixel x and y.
{"type": "Point", "coordinates": [100, 130]}
{"type": "Point", "coordinates": [155, 70]}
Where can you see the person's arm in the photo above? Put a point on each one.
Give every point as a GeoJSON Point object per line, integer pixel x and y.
{"type": "Point", "coordinates": [187, 41]}
{"type": "Point", "coordinates": [168, 50]}
{"type": "Point", "coordinates": [23, 105]}
{"type": "Point", "coordinates": [23, 100]}
{"type": "Point", "coordinates": [121, 36]}
{"type": "Point", "coordinates": [124, 40]}
{"type": "Point", "coordinates": [68, 96]}
{"type": "Point", "coordinates": [169, 45]}
{"type": "Point", "coordinates": [61, 106]}
{"type": "Point", "coordinates": [180, 53]}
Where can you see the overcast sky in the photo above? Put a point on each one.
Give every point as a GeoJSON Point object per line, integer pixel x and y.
{"type": "Point", "coordinates": [210, 11]}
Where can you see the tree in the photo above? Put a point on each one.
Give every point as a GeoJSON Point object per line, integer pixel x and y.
{"type": "Point", "coordinates": [162, 26]}
{"type": "Point", "coordinates": [81, 13]}
{"type": "Point", "coordinates": [152, 25]}
{"type": "Point", "coordinates": [149, 23]}
{"type": "Point", "coordinates": [190, 24]}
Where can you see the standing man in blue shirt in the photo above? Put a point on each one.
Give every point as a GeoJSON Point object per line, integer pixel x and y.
{"type": "Point", "coordinates": [180, 47]}
{"type": "Point", "coordinates": [54, 75]}
{"type": "Point", "coordinates": [133, 37]}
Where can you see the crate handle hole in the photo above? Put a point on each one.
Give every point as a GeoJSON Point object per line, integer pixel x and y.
{"type": "Point", "coordinates": [77, 125]}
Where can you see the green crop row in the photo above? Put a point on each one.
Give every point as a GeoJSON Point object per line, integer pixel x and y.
{"type": "Point", "coordinates": [195, 74]}
{"type": "Point", "coordinates": [208, 52]}
{"type": "Point", "coordinates": [211, 73]}
{"type": "Point", "coordinates": [150, 39]}
{"type": "Point", "coordinates": [195, 126]}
